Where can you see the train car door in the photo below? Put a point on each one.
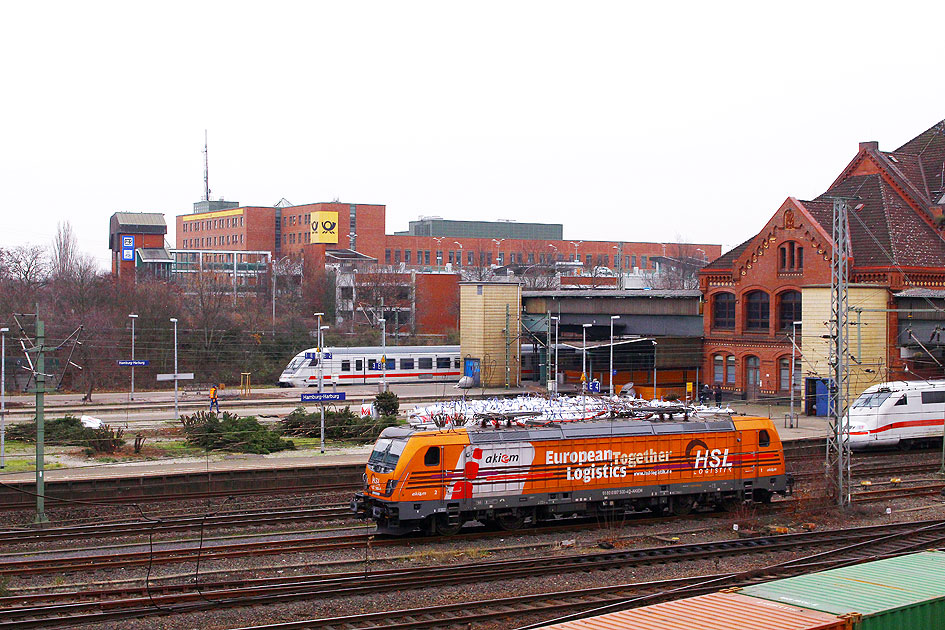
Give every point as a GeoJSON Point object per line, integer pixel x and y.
{"type": "Point", "coordinates": [359, 369]}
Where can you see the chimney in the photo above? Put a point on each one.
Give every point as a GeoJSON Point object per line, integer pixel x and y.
{"type": "Point", "coordinates": [867, 146]}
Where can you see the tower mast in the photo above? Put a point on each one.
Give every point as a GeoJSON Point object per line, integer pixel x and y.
{"type": "Point", "coordinates": [206, 169]}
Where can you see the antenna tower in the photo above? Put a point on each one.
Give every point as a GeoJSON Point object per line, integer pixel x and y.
{"type": "Point", "coordinates": [838, 439]}
{"type": "Point", "coordinates": [206, 169]}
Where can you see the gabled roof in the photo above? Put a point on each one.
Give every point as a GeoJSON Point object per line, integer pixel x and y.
{"type": "Point", "coordinates": [890, 221]}
{"type": "Point", "coordinates": [726, 260]}
{"type": "Point", "coordinates": [929, 150]}
{"type": "Point", "coordinates": [885, 230]}
{"type": "Point", "coordinates": [136, 219]}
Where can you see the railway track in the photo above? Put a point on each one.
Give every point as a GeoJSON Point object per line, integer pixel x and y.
{"type": "Point", "coordinates": [94, 560]}
{"type": "Point", "coordinates": [98, 606]}
{"type": "Point", "coordinates": [178, 523]}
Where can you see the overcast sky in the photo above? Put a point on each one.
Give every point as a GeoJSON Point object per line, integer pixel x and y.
{"type": "Point", "coordinates": [623, 120]}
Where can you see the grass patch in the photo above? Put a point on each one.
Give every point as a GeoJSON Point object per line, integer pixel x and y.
{"type": "Point", "coordinates": [19, 464]}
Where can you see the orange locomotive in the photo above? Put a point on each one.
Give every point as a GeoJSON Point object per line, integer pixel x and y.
{"type": "Point", "coordinates": [437, 480]}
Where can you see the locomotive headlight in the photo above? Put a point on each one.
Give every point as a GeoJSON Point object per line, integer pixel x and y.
{"type": "Point", "coordinates": [389, 488]}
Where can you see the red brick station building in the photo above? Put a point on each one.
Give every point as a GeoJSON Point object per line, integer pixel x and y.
{"type": "Point", "coordinates": [755, 299]}
{"type": "Point", "coordinates": [776, 284]}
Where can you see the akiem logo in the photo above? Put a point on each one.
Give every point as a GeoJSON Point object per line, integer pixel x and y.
{"type": "Point", "coordinates": [500, 458]}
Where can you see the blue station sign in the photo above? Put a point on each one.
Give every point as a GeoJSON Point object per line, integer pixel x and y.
{"type": "Point", "coordinates": [326, 397]}
{"type": "Point", "coordinates": [128, 247]}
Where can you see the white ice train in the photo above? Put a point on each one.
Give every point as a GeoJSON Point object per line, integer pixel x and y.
{"type": "Point", "coordinates": [362, 364]}
{"type": "Point", "coordinates": [898, 413]}
{"type": "Point", "coordinates": [405, 364]}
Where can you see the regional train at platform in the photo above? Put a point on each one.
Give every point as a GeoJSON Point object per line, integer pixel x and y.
{"type": "Point", "coordinates": [405, 364]}
{"type": "Point", "coordinates": [511, 475]}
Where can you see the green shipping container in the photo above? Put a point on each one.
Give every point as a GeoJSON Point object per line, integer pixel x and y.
{"type": "Point", "coordinates": [904, 593]}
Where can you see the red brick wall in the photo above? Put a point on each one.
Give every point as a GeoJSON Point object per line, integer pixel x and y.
{"type": "Point", "coordinates": [369, 225]}
{"type": "Point", "coordinates": [126, 268]}
{"type": "Point", "coordinates": [252, 229]}
{"type": "Point", "coordinates": [760, 264]}
{"type": "Point", "coordinates": [537, 248]}
{"type": "Point", "coordinates": [437, 297]}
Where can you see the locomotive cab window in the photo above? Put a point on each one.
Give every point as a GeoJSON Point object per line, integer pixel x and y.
{"type": "Point", "coordinates": [763, 438]}
{"type": "Point", "coordinates": [385, 455]}
{"type": "Point", "coordinates": [902, 401]}
{"type": "Point", "coordinates": [432, 457]}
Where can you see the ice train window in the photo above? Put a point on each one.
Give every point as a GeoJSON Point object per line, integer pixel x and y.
{"type": "Point", "coordinates": [425, 363]}
{"type": "Point", "coordinates": [346, 366]}
{"type": "Point", "coordinates": [876, 399]}
{"type": "Point", "coordinates": [406, 364]}
{"type": "Point", "coordinates": [901, 401]}
{"type": "Point", "coordinates": [763, 438]}
{"type": "Point", "coordinates": [930, 398]}
{"type": "Point", "coordinates": [442, 363]}
{"type": "Point", "coordinates": [432, 457]}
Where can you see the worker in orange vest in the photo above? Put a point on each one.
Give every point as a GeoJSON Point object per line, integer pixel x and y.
{"type": "Point", "coordinates": [214, 401]}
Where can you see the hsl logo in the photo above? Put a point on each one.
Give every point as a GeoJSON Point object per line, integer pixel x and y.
{"type": "Point", "coordinates": [706, 458]}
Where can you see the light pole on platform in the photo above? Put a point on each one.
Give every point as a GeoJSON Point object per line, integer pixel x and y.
{"type": "Point", "coordinates": [133, 317]}
{"type": "Point", "coordinates": [612, 318]}
{"type": "Point", "coordinates": [176, 411]}
{"type": "Point", "coordinates": [3, 395]}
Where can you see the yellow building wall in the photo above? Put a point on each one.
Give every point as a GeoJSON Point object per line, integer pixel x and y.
{"type": "Point", "coordinates": [482, 323]}
{"type": "Point", "coordinates": [866, 335]}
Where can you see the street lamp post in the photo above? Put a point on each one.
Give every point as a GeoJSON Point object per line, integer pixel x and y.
{"type": "Point", "coordinates": [383, 323]}
{"type": "Point", "coordinates": [584, 328]}
{"type": "Point", "coordinates": [555, 319]}
{"type": "Point", "coordinates": [497, 241]}
{"type": "Point", "coordinates": [576, 243]}
{"type": "Point", "coordinates": [612, 318]}
{"type": "Point", "coordinates": [3, 396]}
{"type": "Point", "coordinates": [176, 411]}
{"type": "Point", "coordinates": [133, 318]}
{"type": "Point", "coordinates": [321, 374]}
{"type": "Point", "coordinates": [794, 326]}
{"type": "Point", "coordinates": [654, 369]}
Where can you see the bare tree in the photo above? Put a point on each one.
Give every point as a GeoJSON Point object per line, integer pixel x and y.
{"type": "Point", "coordinates": [28, 266]}
{"type": "Point", "coordinates": [680, 267]}
{"type": "Point", "coordinates": [65, 251]}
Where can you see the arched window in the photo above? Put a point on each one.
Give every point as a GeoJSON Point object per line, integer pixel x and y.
{"type": "Point", "coordinates": [723, 311]}
{"type": "Point", "coordinates": [789, 309]}
{"type": "Point", "coordinates": [718, 368]}
{"type": "Point", "coordinates": [790, 257]}
{"type": "Point", "coordinates": [752, 372]}
{"type": "Point", "coordinates": [756, 311]}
